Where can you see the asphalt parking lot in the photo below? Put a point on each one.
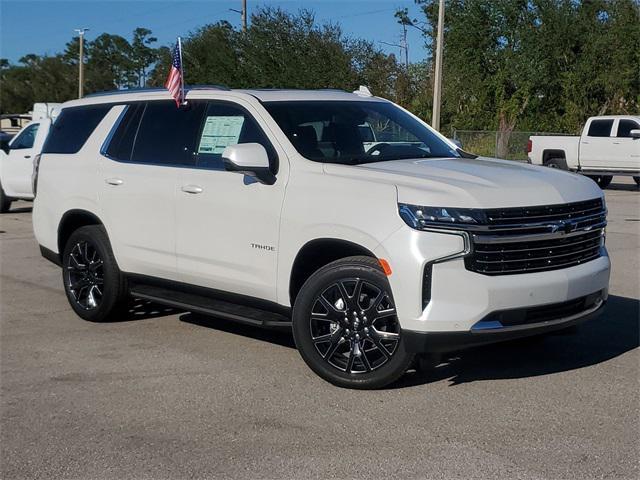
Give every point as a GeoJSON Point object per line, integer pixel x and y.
{"type": "Point", "coordinates": [166, 394]}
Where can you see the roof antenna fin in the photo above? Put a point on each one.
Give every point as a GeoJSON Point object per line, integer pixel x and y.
{"type": "Point", "coordinates": [363, 91]}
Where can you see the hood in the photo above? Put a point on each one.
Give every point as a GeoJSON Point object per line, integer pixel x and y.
{"type": "Point", "coordinates": [474, 183]}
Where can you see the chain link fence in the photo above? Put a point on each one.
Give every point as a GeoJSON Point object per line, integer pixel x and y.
{"type": "Point", "coordinates": [490, 143]}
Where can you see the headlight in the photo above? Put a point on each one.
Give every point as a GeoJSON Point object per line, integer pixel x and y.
{"type": "Point", "coordinates": [440, 217]}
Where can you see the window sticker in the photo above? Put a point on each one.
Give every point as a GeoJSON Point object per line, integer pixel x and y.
{"type": "Point", "coordinates": [219, 132]}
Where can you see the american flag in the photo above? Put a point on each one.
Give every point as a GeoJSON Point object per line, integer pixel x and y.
{"type": "Point", "coordinates": [175, 79]}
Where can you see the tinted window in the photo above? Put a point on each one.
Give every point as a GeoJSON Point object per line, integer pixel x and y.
{"type": "Point", "coordinates": [26, 138]}
{"type": "Point", "coordinates": [167, 134]}
{"type": "Point", "coordinates": [73, 127]}
{"type": "Point", "coordinates": [226, 125]}
{"type": "Point", "coordinates": [121, 143]}
{"type": "Point", "coordinates": [600, 128]}
{"type": "Point", "coordinates": [355, 132]}
{"type": "Point", "coordinates": [366, 133]}
{"type": "Point", "coordinates": [625, 127]}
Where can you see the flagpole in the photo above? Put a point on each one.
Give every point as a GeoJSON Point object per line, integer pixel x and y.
{"type": "Point", "coordinates": [184, 100]}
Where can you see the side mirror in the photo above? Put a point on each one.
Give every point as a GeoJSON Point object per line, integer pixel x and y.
{"type": "Point", "coordinates": [249, 159]}
{"type": "Point", "coordinates": [456, 142]}
{"type": "Point", "coordinates": [635, 133]}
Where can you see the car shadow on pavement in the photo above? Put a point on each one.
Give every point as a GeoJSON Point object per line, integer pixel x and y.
{"type": "Point", "coordinates": [615, 332]}
{"type": "Point", "coordinates": [144, 309]}
{"type": "Point", "coordinates": [21, 210]}
{"type": "Point", "coordinates": [282, 337]}
{"type": "Point", "coordinates": [624, 187]}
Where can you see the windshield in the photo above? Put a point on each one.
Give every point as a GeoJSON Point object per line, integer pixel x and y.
{"type": "Point", "coordinates": [356, 132]}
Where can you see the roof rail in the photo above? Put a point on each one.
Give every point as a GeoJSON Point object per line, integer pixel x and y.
{"type": "Point", "coordinates": [278, 89]}
{"type": "Point", "coordinates": [124, 91]}
{"type": "Point", "coordinates": [155, 89]}
{"type": "Point", "coordinates": [207, 87]}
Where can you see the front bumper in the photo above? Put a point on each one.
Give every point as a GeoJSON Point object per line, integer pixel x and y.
{"type": "Point", "coordinates": [439, 342]}
{"type": "Point", "coordinates": [461, 299]}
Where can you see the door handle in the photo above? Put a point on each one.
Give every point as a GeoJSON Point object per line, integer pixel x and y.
{"type": "Point", "coordinates": [27, 156]}
{"type": "Point", "coordinates": [114, 181]}
{"type": "Point", "coordinates": [192, 189]}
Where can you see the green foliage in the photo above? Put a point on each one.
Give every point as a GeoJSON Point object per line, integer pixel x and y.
{"type": "Point", "coordinates": [111, 62]}
{"type": "Point", "coordinates": [37, 79]}
{"type": "Point", "coordinates": [542, 65]}
{"type": "Point", "coordinates": [282, 50]}
{"type": "Point", "coordinates": [539, 65]}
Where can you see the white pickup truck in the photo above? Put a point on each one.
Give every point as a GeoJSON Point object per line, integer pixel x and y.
{"type": "Point", "coordinates": [608, 146]}
{"type": "Point", "coordinates": [16, 157]}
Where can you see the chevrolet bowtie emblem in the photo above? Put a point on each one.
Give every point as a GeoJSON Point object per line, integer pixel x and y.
{"type": "Point", "coordinates": [564, 226]}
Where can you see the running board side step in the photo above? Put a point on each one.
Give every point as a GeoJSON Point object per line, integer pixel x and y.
{"type": "Point", "coordinates": [206, 305]}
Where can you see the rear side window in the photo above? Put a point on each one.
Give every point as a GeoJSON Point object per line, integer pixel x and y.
{"type": "Point", "coordinates": [600, 128]}
{"type": "Point", "coordinates": [625, 127]}
{"type": "Point", "coordinates": [167, 134]}
{"type": "Point", "coordinates": [73, 127]}
{"type": "Point", "coordinates": [121, 143]}
{"type": "Point", "coordinates": [26, 138]}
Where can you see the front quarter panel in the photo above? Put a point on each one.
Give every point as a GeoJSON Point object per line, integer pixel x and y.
{"type": "Point", "coordinates": [319, 205]}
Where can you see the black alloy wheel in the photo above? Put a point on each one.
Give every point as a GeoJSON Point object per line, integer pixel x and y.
{"type": "Point", "coordinates": [96, 289]}
{"type": "Point", "coordinates": [84, 275]}
{"type": "Point", "coordinates": [354, 326]}
{"type": "Point", "coordinates": [346, 326]}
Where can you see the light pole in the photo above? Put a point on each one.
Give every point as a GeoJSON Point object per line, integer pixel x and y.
{"type": "Point", "coordinates": [81, 32]}
{"type": "Point", "coordinates": [437, 83]}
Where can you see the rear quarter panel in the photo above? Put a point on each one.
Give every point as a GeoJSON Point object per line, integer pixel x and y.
{"type": "Point", "coordinates": [568, 144]}
{"type": "Point", "coordinates": [68, 182]}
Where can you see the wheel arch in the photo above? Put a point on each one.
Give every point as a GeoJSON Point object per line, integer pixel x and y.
{"type": "Point", "coordinates": [71, 221]}
{"type": "Point", "coordinates": [317, 253]}
{"type": "Point", "coordinates": [553, 153]}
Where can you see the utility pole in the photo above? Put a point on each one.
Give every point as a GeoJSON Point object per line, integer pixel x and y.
{"type": "Point", "coordinates": [81, 32]}
{"type": "Point", "coordinates": [437, 83]}
{"type": "Point", "coordinates": [243, 14]}
{"type": "Point", "coordinates": [405, 45]}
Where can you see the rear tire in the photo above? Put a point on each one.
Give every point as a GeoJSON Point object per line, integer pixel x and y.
{"type": "Point", "coordinates": [603, 181]}
{"type": "Point", "coordinates": [95, 287]}
{"type": "Point", "coordinates": [346, 328]}
{"type": "Point", "coordinates": [559, 163]}
{"type": "Point", "coordinates": [5, 202]}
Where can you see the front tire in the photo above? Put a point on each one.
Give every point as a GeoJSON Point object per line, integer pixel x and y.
{"type": "Point", "coordinates": [95, 287]}
{"type": "Point", "coordinates": [346, 327]}
{"type": "Point", "coordinates": [603, 181]}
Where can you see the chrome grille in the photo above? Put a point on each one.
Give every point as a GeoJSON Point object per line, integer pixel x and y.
{"type": "Point", "coordinates": [534, 239]}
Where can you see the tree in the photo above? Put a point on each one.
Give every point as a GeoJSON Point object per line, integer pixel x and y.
{"type": "Point", "coordinates": [284, 50]}
{"type": "Point", "coordinates": [35, 79]}
{"type": "Point", "coordinates": [110, 65]}
{"type": "Point", "coordinates": [542, 65]}
{"type": "Point", "coordinates": [142, 54]}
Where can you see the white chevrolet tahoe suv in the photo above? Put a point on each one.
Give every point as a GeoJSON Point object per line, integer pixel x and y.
{"type": "Point", "coordinates": [269, 207]}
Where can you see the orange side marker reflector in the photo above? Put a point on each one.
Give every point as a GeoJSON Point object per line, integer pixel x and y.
{"type": "Point", "coordinates": [386, 268]}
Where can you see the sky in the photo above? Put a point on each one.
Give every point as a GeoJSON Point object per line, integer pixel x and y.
{"type": "Point", "coordinates": [44, 26]}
